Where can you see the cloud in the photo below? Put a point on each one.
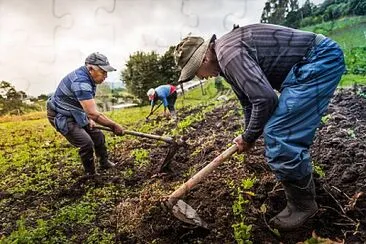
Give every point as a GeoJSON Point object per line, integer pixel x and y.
{"type": "Point", "coordinates": [41, 40]}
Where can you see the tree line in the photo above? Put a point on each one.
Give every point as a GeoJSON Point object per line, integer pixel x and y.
{"type": "Point", "coordinates": [146, 70]}
{"type": "Point", "coordinates": [288, 12]}
{"type": "Point", "coordinates": [13, 101]}
{"type": "Point", "coordinates": [149, 70]}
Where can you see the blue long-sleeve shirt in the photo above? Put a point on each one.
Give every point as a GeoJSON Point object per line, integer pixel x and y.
{"type": "Point", "coordinates": [162, 92]}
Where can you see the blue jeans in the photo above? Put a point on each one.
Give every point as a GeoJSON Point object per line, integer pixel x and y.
{"type": "Point", "coordinates": [305, 95]}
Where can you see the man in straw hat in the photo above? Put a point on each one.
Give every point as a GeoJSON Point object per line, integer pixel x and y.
{"type": "Point", "coordinates": [256, 59]}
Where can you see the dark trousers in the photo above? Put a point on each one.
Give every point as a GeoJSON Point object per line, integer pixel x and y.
{"type": "Point", "coordinates": [171, 101]}
{"type": "Point", "coordinates": [86, 139]}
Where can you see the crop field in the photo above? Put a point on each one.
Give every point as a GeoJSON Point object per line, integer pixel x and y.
{"type": "Point", "coordinates": [44, 197]}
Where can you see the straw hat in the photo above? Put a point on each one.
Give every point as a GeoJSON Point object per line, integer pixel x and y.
{"type": "Point", "coordinates": [189, 54]}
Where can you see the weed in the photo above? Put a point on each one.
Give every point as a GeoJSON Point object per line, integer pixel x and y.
{"type": "Point", "coordinates": [191, 171]}
{"type": "Point", "coordinates": [318, 169]}
{"type": "Point", "coordinates": [141, 157]}
{"type": "Point", "coordinates": [128, 173]}
{"type": "Point", "coordinates": [325, 119]}
{"type": "Point", "coordinates": [351, 133]}
{"type": "Point", "coordinates": [242, 231]}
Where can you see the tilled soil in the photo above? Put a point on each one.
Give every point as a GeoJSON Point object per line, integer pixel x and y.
{"type": "Point", "coordinates": [136, 214]}
{"type": "Point", "coordinates": [338, 149]}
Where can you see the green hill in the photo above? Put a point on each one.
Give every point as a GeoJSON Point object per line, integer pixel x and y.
{"type": "Point", "coordinates": [350, 34]}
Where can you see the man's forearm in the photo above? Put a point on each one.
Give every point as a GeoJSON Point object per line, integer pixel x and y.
{"type": "Point", "coordinates": [247, 114]}
{"type": "Point", "coordinates": [102, 120]}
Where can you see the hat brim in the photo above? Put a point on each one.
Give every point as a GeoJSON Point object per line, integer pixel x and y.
{"type": "Point", "coordinates": [107, 68]}
{"type": "Point", "coordinates": [190, 69]}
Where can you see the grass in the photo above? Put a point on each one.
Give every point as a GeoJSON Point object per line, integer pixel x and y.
{"type": "Point", "coordinates": [350, 80]}
{"type": "Point", "coordinates": [37, 162]}
{"type": "Point", "coordinates": [348, 32]}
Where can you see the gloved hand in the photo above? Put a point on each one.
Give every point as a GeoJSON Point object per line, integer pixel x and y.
{"type": "Point", "coordinates": [118, 130]}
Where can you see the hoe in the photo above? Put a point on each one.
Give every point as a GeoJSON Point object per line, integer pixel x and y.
{"type": "Point", "coordinates": [171, 152]}
{"type": "Point", "coordinates": [182, 210]}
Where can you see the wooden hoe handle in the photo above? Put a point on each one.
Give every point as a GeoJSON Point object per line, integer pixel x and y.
{"type": "Point", "coordinates": [140, 134]}
{"type": "Point", "coordinates": [199, 176]}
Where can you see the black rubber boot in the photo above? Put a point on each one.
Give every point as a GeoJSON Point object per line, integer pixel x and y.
{"type": "Point", "coordinates": [89, 166]}
{"type": "Point", "coordinates": [102, 155]}
{"type": "Point", "coordinates": [104, 163]}
{"type": "Point", "coordinates": [300, 207]}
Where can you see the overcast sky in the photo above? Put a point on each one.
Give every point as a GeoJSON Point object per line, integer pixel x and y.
{"type": "Point", "coordinates": [43, 40]}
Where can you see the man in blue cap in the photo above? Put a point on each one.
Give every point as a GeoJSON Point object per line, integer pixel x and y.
{"type": "Point", "coordinates": [73, 112]}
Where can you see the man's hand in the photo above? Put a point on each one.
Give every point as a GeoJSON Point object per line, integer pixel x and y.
{"type": "Point", "coordinates": [243, 146]}
{"type": "Point", "coordinates": [92, 124]}
{"type": "Point", "coordinates": [118, 130]}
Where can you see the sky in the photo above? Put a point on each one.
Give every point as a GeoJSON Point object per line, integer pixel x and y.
{"type": "Point", "coordinates": [41, 41]}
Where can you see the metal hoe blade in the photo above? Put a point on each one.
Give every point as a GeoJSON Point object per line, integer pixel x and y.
{"type": "Point", "coordinates": [187, 214]}
{"type": "Point", "coordinates": [183, 211]}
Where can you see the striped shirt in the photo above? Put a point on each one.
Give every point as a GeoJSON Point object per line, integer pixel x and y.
{"type": "Point", "coordinates": [256, 59]}
{"type": "Point", "coordinates": [74, 87]}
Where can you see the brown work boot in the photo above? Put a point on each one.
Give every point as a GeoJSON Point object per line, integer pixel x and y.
{"type": "Point", "coordinates": [300, 207]}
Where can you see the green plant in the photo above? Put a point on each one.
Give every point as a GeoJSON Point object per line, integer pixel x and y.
{"type": "Point", "coordinates": [318, 169]}
{"type": "Point", "coordinates": [128, 173]}
{"type": "Point", "coordinates": [141, 157]}
{"type": "Point", "coordinates": [362, 93]}
{"type": "Point", "coordinates": [242, 231]}
{"type": "Point", "coordinates": [191, 171]}
{"type": "Point", "coordinates": [325, 119]}
{"type": "Point", "coordinates": [351, 133]}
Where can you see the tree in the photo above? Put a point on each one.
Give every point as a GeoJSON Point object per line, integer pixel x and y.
{"type": "Point", "coordinates": [168, 69]}
{"type": "Point", "coordinates": [292, 18]}
{"type": "Point", "coordinates": [11, 99]}
{"type": "Point", "coordinates": [307, 9]}
{"type": "Point", "coordinates": [42, 97]}
{"type": "Point", "coordinates": [148, 70]}
{"type": "Point", "coordinates": [141, 73]}
{"type": "Point", "coordinates": [266, 12]}
{"type": "Point", "coordinates": [357, 7]}
{"type": "Point", "coordinates": [281, 12]}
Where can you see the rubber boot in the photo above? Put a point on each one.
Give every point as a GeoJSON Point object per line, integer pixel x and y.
{"type": "Point", "coordinates": [89, 166]}
{"type": "Point", "coordinates": [300, 207]}
{"type": "Point", "coordinates": [102, 155]}
{"type": "Point", "coordinates": [104, 163]}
